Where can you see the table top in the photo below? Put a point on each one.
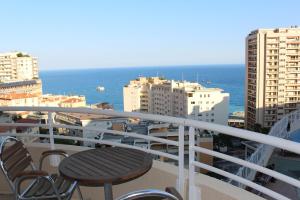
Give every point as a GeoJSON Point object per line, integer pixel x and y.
{"type": "Point", "coordinates": [112, 165]}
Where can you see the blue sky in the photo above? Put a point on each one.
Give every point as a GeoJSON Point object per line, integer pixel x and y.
{"type": "Point", "coordinates": [79, 34]}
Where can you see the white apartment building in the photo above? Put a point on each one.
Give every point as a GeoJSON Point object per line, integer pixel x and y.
{"type": "Point", "coordinates": [272, 75]}
{"type": "Point", "coordinates": [136, 94]}
{"type": "Point", "coordinates": [179, 99]}
{"type": "Point", "coordinates": [17, 66]}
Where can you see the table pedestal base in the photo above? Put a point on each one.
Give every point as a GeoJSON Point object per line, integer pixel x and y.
{"type": "Point", "coordinates": [108, 191]}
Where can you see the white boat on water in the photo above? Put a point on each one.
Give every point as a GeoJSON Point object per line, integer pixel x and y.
{"type": "Point", "coordinates": [100, 88]}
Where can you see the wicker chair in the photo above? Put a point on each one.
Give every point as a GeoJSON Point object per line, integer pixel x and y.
{"type": "Point", "coordinates": [18, 168]}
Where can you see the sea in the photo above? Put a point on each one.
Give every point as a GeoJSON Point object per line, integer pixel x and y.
{"type": "Point", "coordinates": [230, 78]}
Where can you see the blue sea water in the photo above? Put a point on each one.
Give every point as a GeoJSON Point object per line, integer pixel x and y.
{"type": "Point", "coordinates": [84, 81]}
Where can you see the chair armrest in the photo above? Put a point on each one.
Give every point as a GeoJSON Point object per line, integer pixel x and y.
{"type": "Point", "coordinates": [26, 175]}
{"type": "Point", "coordinates": [174, 192]}
{"type": "Point", "coordinates": [35, 174]}
{"type": "Point", "coordinates": [49, 153]}
{"type": "Point", "coordinates": [31, 174]}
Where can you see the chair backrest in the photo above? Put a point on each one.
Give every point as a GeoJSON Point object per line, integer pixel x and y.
{"type": "Point", "coordinates": [14, 159]}
{"type": "Point", "coordinates": [150, 194]}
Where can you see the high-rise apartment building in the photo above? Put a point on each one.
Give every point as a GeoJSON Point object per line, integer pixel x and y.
{"type": "Point", "coordinates": [174, 98]}
{"type": "Point", "coordinates": [17, 66]}
{"type": "Point", "coordinates": [272, 75]}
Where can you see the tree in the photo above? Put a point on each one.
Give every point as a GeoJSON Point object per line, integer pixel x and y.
{"type": "Point", "coordinates": [260, 129]}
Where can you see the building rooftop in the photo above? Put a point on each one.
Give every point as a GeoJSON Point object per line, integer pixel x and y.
{"type": "Point", "coordinates": [19, 83]}
{"type": "Point", "coordinates": [17, 96]}
{"type": "Point", "coordinates": [277, 30]}
{"type": "Point", "coordinates": [83, 116]}
{"type": "Point", "coordinates": [72, 100]}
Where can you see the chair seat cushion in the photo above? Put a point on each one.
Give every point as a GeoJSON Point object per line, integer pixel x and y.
{"type": "Point", "coordinates": [42, 188]}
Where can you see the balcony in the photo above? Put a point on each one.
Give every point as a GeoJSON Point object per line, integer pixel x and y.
{"type": "Point", "coordinates": [189, 182]}
{"type": "Point", "coordinates": [161, 175]}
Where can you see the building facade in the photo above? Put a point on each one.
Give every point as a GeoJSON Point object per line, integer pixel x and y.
{"type": "Point", "coordinates": [50, 100]}
{"type": "Point", "coordinates": [272, 75]}
{"type": "Point", "coordinates": [136, 95]}
{"type": "Point", "coordinates": [17, 66]}
{"type": "Point", "coordinates": [20, 87]}
{"type": "Point", "coordinates": [25, 99]}
{"type": "Point", "coordinates": [178, 99]}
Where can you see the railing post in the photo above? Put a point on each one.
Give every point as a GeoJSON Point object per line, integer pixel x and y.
{"type": "Point", "coordinates": [149, 143]}
{"type": "Point", "coordinates": [54, 160]}
{"type": "Point", "coordinates": [192, 191]}
{"type": "Point", "coordinates": [181, 178]}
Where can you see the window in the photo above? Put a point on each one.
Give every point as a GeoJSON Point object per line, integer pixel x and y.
{"type": "Point", "coordinates": [193, 102]}
{"type": "Point", "coordinates": [212, 120]}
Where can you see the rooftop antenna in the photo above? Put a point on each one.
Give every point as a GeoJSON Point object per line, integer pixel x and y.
{"type": "Point", "coordinates": [197, 78]}
{"type": "Point", "coordinates": [182, 76]}
{"type": "Point", "coordinates": [156, 74]}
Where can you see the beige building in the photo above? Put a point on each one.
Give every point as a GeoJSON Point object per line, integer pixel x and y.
{"type": "Point", "coordinates": [272, 75]}
{"type": "Point", "coordinates": [20, 87]}
{"type": "Point", "coordinates": [73, 101]}
{"type": "Point", "coordinates": [179, 99]}
{"type": "Point", "coordinates": [17, 66]}
{"type": "Point", "coordinates": [136, 94]}
{"type": "Point", "coordinates": [24, 99]}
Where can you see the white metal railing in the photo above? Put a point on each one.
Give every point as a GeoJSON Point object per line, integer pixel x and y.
{"type": "Point", "coordinates": [194, 192]}
{"type": "Point", "coordinates": [50, 125]}
{"type": "Point", "coordinates": [263, 153]}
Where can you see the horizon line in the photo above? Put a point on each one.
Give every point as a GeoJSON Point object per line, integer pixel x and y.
{"type": "Point", "coordinates": [144, 66]}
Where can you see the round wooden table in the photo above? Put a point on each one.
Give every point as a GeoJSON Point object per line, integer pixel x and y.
{"type": "Point", "coordinates": [105, 167]}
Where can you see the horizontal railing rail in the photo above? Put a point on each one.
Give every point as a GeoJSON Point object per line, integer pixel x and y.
{"type": "Point", "coordinates": [100, 130]}
{"type": "Point", "coordinates": [263, 153]}
{"type": "Point", "coordinates": [244, 181]}
{"type": "Point", "coordinates": [103, 142]}
{"type": "Point", "coordinates": [244, 134]}
{"type": "Point", "coordinates": [267, 141]}
{"type": "Point", "coordinates": [251, 165]}
{"type": "Point", "coordinates": [51, 125]}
